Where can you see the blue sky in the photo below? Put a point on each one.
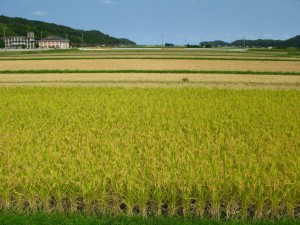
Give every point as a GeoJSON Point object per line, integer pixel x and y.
{"type": "Point", "coordinates": [179, 21]}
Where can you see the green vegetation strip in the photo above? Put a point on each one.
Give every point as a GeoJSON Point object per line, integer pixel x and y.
{"type": "Point", "coordinates": [79, 219]}
{"type": "Point", "coordinates": [148, 58]}
{"type": "Point", "coordinates": [151, 71]}
{"type": "Point", "coordinates": [145, 82]}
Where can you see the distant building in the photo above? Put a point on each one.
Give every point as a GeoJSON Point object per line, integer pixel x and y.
{"type": "Point", "coordinates": [54, 41]}
{"type": "Point", "coordinates": [169, 45]}
{"type": "Point", "coordinates": [19, 42]}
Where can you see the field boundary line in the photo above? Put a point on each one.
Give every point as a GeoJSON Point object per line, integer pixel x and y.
{"type": "Point", "coordinates": [148, 58]}
{"type": "Point", "coordinates": [150, 82]}
{"type": "Point", "coordinates": [233, 72]}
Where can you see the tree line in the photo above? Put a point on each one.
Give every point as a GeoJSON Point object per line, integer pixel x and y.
{"type": "Point", "coordinates": [292, 42]}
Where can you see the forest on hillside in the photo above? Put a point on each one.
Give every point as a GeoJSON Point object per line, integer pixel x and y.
{"type": "Point", "coordinates": [20, 27]}
{"type": "Point", "coordinates": [292, 42]}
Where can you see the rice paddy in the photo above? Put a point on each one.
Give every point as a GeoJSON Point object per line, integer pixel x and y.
{"type": "Point", "coordinates": [110, 150]}
{"type": "Point", "coordinates": [146, 64]}
{"type": "Point", "coordinates": [206, 146]}
{"type": "Point", "coordinates": [136, 79]}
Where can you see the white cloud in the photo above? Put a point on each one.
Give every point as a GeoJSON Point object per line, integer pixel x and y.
{"type": "Point", "coordinates": [39, 13]}
{"type": "Point", "coordinates": [27, 1]}
{"type": "Point", "coordinates": [107, 2]}
{"type": "Point", "coordinates": [194, 1]}
{"type": "Point", "coordinates": [268, 35]}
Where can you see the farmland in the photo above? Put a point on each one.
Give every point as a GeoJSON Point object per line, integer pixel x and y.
{"type": "Point", "coordinates": [235, 81]}
{"type": "Point", "coordinates": [154, 64]}
{"type": "Point", "coordinates": [217, 143]}
{"type": "Point", "coordinates": [148, 68]}
{"type": "Point", "coordinates": [95, 149]}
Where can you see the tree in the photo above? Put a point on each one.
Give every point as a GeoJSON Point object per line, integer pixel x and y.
{"type": "Point", "coordinates": [2, 44]}
{"type": "Point", "coordinates": [169, 45]}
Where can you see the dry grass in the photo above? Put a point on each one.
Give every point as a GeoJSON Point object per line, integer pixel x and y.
{"type": "Point", "coordinates": [142, 79]}
{"type": "Point", "coordinates": [139, 64]}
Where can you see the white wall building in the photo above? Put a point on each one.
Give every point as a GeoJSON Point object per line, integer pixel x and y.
{"type": "Point", "coordinates": [54, 41]}
{"type": "Point", "coordinates": [19, 42]}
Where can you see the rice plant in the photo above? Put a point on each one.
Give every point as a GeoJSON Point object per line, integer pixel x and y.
{"type": "Point", "coordinates": [185, 151]}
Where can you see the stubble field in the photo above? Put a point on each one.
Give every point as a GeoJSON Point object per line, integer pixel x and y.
{"type": "Point", "coordinates": [235, 81]}
{"type": "Point", "coordinates": [202, 147]}
{"type": "Point", "coordinates": [153, 64]}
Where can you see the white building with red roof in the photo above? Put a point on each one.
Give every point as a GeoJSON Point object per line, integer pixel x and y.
{"type": "Point", "coordinates": [54, 41]}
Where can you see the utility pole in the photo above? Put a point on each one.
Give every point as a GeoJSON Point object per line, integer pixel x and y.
{"type": "Point", "coordinates": [162, 40]}
{"type": "Point", "coordinates": [4, 37]}
{"type": "Point", "coordinates": [244, 44]}
{"type": "Point", "coordinates": [41, 34]}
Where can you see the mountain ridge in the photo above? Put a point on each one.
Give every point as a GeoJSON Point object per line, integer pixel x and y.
{"type": "Point", "coordinates": [292, 42]}
{"type": "Point", "coordinates": [17, 26]}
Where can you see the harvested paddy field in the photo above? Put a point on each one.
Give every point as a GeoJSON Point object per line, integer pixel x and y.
{"type": "Point", "coordinates": [146, 64]}
{"type": "Point", "coordinates": [154, 79]}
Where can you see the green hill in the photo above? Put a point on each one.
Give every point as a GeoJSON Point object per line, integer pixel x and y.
{"type": "Point", "coordinates": [295, 42]}
{"type": "Point", "coordinates": [260, 43]}
{"type": "Point", "coordinates": [20, 26]}
{"type": "Point", "coordinates": [292, 42]}
{"type": "Point", "coordinates": [214, 43]}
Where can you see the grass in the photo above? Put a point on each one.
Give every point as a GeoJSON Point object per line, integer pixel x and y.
{"type": "Point", "coordinates": [178, 52]}
{"type": "Point", "coordinates": [79, 219]}
{"type": "Point", "coordinates": [115, 151]}
{"type": "Point", "coordinates": [153, 58]}
{"type": "Point", "coordinates": [150, 71]}
{"type": "Point", "coordinates": [4, 53]}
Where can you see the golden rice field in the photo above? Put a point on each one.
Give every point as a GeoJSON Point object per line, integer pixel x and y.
{"type": "Point", "coordinates": [232, 153]}
{"type": "Point", "coordinates": [231, 150]}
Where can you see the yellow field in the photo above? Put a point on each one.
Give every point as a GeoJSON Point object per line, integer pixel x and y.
{"type": "Point", "coordinates": [155, 79]}
{"type": "Point", "coordinates": [205, 152]}
{"type": "Point", "coordinates": [215, 153]}
{"type": "Point", "coordinates": [146, 64]}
